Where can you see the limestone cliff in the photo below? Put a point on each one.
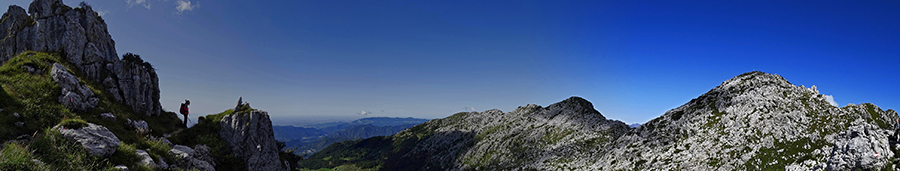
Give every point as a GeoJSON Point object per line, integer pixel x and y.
{"type": "Point", "coordinates": [249, 133]}
{"type": "Point", "coordinates": [80, 35]}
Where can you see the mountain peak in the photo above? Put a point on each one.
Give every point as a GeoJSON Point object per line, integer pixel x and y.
{"type": "Point", "coordinates": [574, 101]}
{"type": "Point", "coordinates": [754, 79]}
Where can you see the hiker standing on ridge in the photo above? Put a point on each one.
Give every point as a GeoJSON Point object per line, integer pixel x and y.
{"type": "Point", "coordinates": [184, 110]}
{"type": "Point", "coordinates": [896, 130]}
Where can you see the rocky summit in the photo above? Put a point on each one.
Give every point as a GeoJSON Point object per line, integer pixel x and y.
{"type": "Point", "coordinates": [758, 121]}
{"type": "Point", "coordinates": [249, 133]}
{"type": "Point", "coordinates": [754, 121]}
{"type": "Point", "coordinates": [80, 35]}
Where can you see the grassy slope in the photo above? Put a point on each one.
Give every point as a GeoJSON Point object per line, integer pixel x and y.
{"type": "Point", "coordinates": [34, 98]}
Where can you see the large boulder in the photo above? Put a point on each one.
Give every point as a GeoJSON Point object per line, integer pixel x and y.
{"type": "Point", "coordinates": [96, 139]}
{"type": "Point", "coordinates": [81, 36]}
{"type": "Point", "coordinates": [251, 138]}
{"type": "Point", "coordinates": [193, 158]}
{"type": "Point", "coordinates": [75, 96]}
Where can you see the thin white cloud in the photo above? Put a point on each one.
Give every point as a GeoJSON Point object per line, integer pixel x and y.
{"type": "Point", "coordinates": [364, 113]}
{"type": "Point", "coordinates": [132, 3]}
{"type": "Point", "coordinates": [470, 109]}
{"type": "Point", "coordinates": [831, 101]}
{"type": "Point", "coordinates": [185, 5]}
{"type": "Point", "coordinates": [102, 13]}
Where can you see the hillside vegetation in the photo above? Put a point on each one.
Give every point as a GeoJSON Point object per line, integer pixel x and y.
{"type": "Point", "coordinates": [33, 96]}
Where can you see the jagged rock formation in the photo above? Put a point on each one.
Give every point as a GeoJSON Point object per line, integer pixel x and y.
{"type": "Point", "coordinates": [75, 96]}
{"type": "Point", "coordinates": [249, 133]}
{"type": "Point", "coordinates": [192, 158]}
{"type": "Point", "coordinates": [754, 121]}
{"type": "Point", "coordinates": [95, 139]}
{"type": "Point", "coordinates": [80, 35]}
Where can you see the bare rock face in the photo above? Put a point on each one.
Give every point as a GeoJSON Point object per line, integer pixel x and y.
{"type": "Point", "coordinates": [80, 35]}
{"type": "Point", "coordinates": [75, 96]}
{"type": "Point", "coordinates": [95, 139]}
{"type": "Point", "coordinates": [251, 138]}
{"type": "Point", "coordinates": [861, 146]}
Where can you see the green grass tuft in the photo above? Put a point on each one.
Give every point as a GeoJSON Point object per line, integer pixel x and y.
{"type": "Point", "coordinates": [73, 123]}
{"type": "Point", "coordinates": [58, 152]}
{"type": "Point", "coordinates": [14, 156]}
{"type": "Point", "coordinates": [126, 154]}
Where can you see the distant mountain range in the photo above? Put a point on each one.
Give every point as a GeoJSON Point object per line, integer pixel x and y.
{"type": "Point", "coordinates": [634, 125]}
{"type": "Point", "coordinates": [312, 138]}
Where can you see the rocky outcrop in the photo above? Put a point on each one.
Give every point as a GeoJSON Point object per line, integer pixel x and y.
{"type": "Point", "coordinates": [80, 35]}
{"type": "Point", "coordinates": [75, 95]}
{"type": "Point", "coordinates": [193, 158]}
{"type": "Point", "coordinates": [249, 133]}
{"type": "Point", "coordinates": [95, 139]}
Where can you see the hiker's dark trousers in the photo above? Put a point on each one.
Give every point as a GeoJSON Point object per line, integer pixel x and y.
{"type": "Point", "coordinates": [896, 135]}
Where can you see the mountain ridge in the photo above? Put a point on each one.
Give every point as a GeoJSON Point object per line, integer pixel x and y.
{"type": "Point", "coordinates": [753, 121]}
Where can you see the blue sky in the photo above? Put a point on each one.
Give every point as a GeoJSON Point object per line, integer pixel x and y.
{"type": "Point", "coordinates": [633, 60]}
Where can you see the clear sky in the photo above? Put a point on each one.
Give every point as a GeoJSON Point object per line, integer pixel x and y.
{"type": "Point", "coordinates": [634, 60]}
